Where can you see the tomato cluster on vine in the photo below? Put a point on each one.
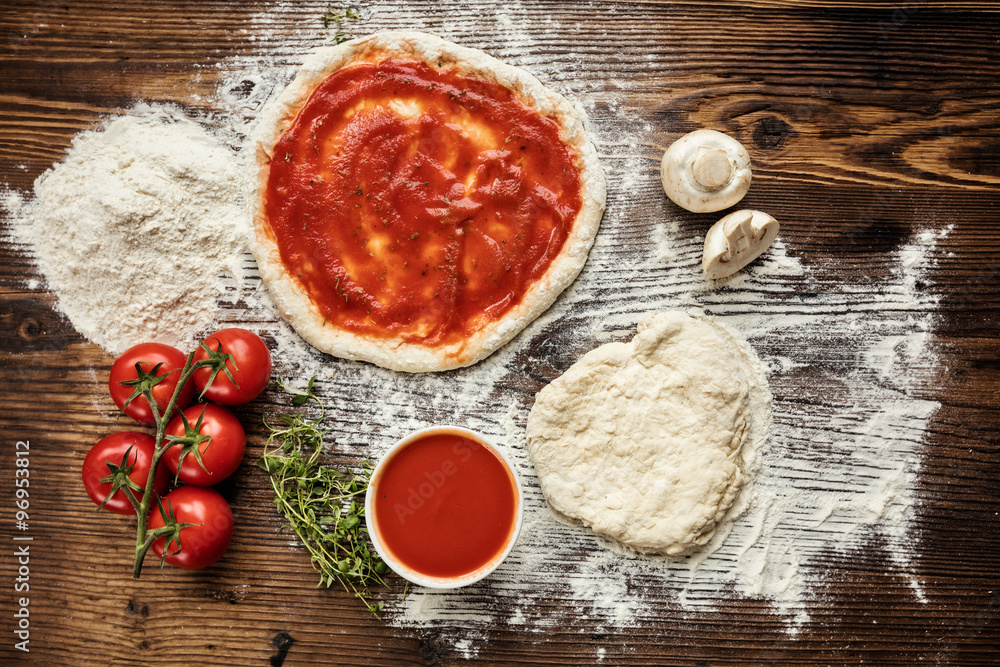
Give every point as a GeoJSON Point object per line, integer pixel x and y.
{"type": "Point", "coordinates": [201, 443]}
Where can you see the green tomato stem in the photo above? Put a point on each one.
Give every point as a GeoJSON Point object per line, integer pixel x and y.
{"type": "Point", "coordinates": [143, 537]}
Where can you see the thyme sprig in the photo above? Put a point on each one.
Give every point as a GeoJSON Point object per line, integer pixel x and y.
{"type": "Point", "coordinates": [323, 505]}
{"type": "Point", "coordinates": [338, 18]}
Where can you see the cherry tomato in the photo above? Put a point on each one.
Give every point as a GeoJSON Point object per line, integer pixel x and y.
{"type": "Point", "coordinates": [250, 366]}
{"type": "Point", "coordinates": [149, 354]}
{"type": "Point", "coordinates": [111, 449]}
{"type": "Point", "coordinates": [200, 545]}
{"type": "Point", "coordinates": [221, 455]}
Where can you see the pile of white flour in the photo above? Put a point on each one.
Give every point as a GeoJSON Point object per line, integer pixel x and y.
{"type": "Point", "coordinates": [135, 227]}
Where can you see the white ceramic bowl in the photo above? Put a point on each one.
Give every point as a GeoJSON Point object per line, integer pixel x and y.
{"type": "Point", "coordinates": [419, 577]}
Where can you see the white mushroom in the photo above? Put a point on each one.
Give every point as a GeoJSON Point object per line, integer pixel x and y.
{"type": "Point", "coordinates": [705, 171]}
{"type": "Point", "coordinates": [736, 240]}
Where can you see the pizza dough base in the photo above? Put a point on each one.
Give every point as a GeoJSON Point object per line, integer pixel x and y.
{"type": "Point", "coordinates": [292, 300]}
{"type": "Point", "coordinates": [647, 442]}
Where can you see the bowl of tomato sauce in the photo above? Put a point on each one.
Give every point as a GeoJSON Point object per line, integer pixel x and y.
{"type": "Point", "coordinates": [444, 507]}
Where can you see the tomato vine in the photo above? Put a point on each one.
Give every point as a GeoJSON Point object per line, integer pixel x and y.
{"type": "Point", "coordinates": [145, 537]}
{"type": "Point", "coordinates": [147, 387]}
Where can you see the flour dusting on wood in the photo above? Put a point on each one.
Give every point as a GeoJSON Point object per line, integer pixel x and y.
{"type": "Point", "coordinates": [845, 446]}
{"type": "Point", "coordinates": [847, 432]}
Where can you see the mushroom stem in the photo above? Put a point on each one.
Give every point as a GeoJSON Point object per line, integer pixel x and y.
{"type": "Point", "coordinates": [712, 169]}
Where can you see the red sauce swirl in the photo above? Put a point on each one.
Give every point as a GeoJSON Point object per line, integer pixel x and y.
{"type": "Point", "coordinates": [415, 203]}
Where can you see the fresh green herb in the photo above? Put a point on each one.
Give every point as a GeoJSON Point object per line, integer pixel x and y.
{"type": "Point", "coordinates": [324, 506]}
{"type": "Point", "coordinates": [337, 19]}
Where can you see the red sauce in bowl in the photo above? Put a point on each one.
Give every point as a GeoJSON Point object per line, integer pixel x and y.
{"type": "Point", "coordinates": [445, 505]}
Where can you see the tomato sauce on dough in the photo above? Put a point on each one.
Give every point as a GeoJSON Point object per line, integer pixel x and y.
{"type": "Point", "coordinates": [445, 506]}
{"type": "Point", "coordinates": [415, 203]}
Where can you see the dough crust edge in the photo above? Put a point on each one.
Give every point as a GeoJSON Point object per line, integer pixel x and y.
{"type": "Point", "coordinates": [294, 303]}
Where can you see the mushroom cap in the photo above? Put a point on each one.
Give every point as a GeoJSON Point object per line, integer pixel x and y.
{"type": "Point", "coordinates": [736, 240]}
{"type": "Point", "coordinates": [705, 171]}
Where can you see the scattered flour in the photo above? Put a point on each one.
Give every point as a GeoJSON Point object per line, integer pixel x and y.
{"type": "Point", "coordinates": [133, 229]}
{"type": "Point", "coordinates": [845, 450]}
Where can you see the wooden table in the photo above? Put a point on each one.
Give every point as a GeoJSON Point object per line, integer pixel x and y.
{"type": "Point", "coordinates": [865, 126]}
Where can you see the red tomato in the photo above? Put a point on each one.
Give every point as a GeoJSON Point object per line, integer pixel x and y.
{"type": "Point", "coordinates": [149, 354]}
{"type": "Point", "coordinates": [111, 449]}
{"type": "Point", "coordinates": [200, 545]}
{"type": "Point", "coordinates": [250, 366]}
{"type": "Point", "coordinates": [221, 455]}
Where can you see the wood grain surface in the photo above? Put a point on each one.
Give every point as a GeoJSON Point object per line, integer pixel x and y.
{"type": "Point", "coordinates": [866, 123]}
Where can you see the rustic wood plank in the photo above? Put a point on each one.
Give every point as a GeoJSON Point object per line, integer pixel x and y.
{"type": "Point", "coordinates": [864, 123]}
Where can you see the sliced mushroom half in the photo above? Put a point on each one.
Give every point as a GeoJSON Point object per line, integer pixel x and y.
{"type": "Point", "coordinates": [705, 171]}
{"type": "Point", "coordinates": [736, 240]}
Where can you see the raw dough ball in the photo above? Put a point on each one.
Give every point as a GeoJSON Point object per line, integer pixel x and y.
{"type": "Point", "coordinates": [642, 441]}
